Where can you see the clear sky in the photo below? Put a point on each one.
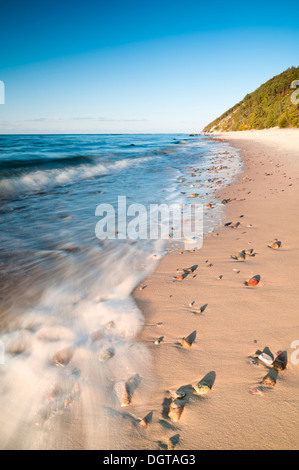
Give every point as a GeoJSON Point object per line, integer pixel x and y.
{"type": "Point", "coordinates": [127, 66]}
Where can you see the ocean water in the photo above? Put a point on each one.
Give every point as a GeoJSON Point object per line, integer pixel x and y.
{"type": "Point", "coordinates": [64, 289]}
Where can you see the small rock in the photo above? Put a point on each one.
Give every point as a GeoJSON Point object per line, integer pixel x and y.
{"type": "Point", "coordinates": [256, 391]}
{"type": "Point", "coordinates": [202, 388]}
{"type": "Point", "coordinates": [125, 398]}
{"type": "Point", "coordinates": [269, 381]}
{"type": "Point", "coordinates": [179, 394]}
{"type": "Point", "coordinates": [159, 340]}
{"type": "Point", "coordinates": [175, 411]}
{"type": "Point", "coordinates": [266, 359]}
{"type": "Point", "coordinates": [63, 357]}
{"type": "Point", "coordinates": [106, 354]}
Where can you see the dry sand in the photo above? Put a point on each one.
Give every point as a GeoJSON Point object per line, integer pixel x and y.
{"type": "Point", "coordinates": [238, 320]}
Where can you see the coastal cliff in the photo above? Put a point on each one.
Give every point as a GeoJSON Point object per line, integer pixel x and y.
{"type": "Point", "coordinates": [273, 104]}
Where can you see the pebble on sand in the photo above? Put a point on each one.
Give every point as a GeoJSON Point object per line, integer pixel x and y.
{"type": "Point", "coordinates": [269, 381]}
{"type": "Point", "coordinates": [106, 354]}
{"type": "Point", "coordinates": [185, 343]}
{"type": "Point", "coordinates": [143, 423]}
{"type": "Point", "coordinates": [63, 357]}
{"type": "Point", "coordinates": [280, 362]}
{"type": "Point", "coordinates": [175, 410]}
{"type": "Point", "coordinates": [125, 397]}
{"type": "Point", "coordinates": [159, 340]}
{"type": "Point", "coordinates": [275, 245]}
{"type": "Point", "coordinates": [179, 394]}
{"type": "Point", "coordinates": [250, 252]}
{"type": "Point", "coordinates": [202, 388]}
{"type": "Point", "coordinates": [253, 281]}
{"type": "Point", "coordinates": [256, 391]}
{"type": "Point", "coordinates": [189, 340]}
{"type": "Point", "coordinates": [239, 256]}
{"type": "Point", "coordinates": [266, 359]}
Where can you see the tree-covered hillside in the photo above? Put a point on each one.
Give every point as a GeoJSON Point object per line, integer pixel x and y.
{"type": "Point", "coordinates": [269, 106]}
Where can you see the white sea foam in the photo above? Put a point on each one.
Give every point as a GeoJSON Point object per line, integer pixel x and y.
{"type": "Point", "coordinates": [39, 180]}
{"type": "Point", "coordinates": [38, 397]}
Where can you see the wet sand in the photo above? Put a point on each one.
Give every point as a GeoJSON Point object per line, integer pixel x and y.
{"type": "Point", "coordinates": [238, 320]}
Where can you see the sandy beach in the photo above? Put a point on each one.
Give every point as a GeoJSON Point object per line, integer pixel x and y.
{"type": "Point", "coordinates": [238, 320]}
{"type": "Point", "coordinates": [149, 244]}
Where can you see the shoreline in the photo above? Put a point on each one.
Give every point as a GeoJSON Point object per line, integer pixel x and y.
{"type": "Point", "coordinates": [238, 320]}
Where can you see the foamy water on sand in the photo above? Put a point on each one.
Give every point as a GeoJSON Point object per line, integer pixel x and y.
{"type": "Point", "coordinates": [69, 322]}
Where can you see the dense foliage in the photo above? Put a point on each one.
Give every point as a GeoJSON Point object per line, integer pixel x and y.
{"type": "Point", "coordinates": [269, 106]}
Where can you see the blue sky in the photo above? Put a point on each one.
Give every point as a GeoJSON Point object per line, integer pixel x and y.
{"type": "Point", "coordinates": [128, 66]}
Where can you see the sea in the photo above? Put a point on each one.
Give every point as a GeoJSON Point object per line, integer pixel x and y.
{"type": "Point", "coordinates": [68, 321]}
